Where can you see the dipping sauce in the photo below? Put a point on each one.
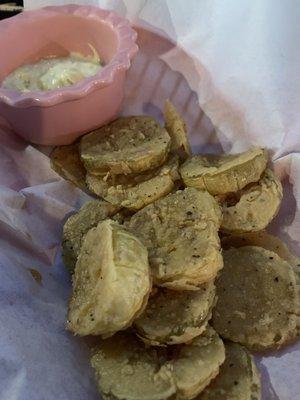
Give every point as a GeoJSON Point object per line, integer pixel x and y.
{"type": "Point", "coordinates": [52, 73]}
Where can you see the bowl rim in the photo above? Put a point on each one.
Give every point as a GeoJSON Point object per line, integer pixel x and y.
{"type": "Point", "coordinates": [121, 61]}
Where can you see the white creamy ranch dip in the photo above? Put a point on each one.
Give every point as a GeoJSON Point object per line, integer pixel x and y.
{"type": "Point", "coordinates": [52, 73]}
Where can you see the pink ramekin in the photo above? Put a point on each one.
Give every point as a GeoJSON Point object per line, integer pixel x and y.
{"type": "Point", "coordinates": [60, 116]}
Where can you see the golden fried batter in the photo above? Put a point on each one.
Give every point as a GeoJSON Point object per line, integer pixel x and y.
{"type": "Point", "coordinates": [225, 173]}
{"type": "Point", "coordinates": [65, 160]}
{"type": "Point", "coordinates": [173, 317]}
{"type": "Point", "coordinates": [125, 146]}
{"type": "Point", "coordinates": [135, 191]}
{"type": "Point", "coordinates": [181, 234]}
{"type": "Point", "coordinates": [176, 127]}
{"type": "Point", "coordinates": [238, 379]}
{"type": "Point", "coordinates": [111, 282]}
{"type": "Point", "coordinates": [77, 225]}
{"type": "Point", "coordinates": [256, 208]}
{"type": "Point", "coordinates": [258, 299]}
{"type": "Point", "coordinates": [126, 369]}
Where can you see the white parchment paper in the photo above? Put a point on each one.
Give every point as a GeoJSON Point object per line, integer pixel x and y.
{"type": "Point", "coordinates": [237, 61]}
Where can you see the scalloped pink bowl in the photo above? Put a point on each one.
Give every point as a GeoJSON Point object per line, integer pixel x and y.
{"type": "Point", "coordinates": [60, 116]}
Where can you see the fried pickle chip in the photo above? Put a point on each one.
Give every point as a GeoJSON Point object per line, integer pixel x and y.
{"type": "Point", "coordinates": [135, 191]}
{"type": "Point", "coordinates": [111, 282]}
{"type": "Point", "coordinates": [125, 146]}
{"type": "Point", "coordinates": [224, 173]}
{"type": "Point", "coordinates": [65, 160]}
{"type": "Point", "coordinates": [176, 127]}
{"type": "Point", "coordinates": [77, 225]}
{"type": "Point", "coordinates": [238, 379]}
{"type": "Point", "coordinates": [256, 208]}
{"type": "Point", "coordinates": [198, 363]}
{"type": "Point", "coordinates": [173, 317]}
{"type": "Point", "coordinates": [261, 239]}
{"type": "Point", "coordinates": [126, 369]}
{"type": "Point", "coordinates": [181, 234]}
{"type": "Point", "coordinates": [268, 242]}
{"type": "Point", "coordinates": [258, 299]}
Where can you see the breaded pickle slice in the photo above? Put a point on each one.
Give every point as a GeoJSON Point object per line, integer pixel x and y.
{"type": "Point", "coordinates": [77, 225]}
{"type": "Point", "coordinates": [268, 242]}
{"type": "Point", "coordinates": [126, 369]}
{"type": "Point", "coordinates": [256, 208]}
{"type": "Point", "coordinates": [135, 191]}
{"type": "Point", "coordinates": [198, 363]}
{"type": "Point", "coordinates": [181, 234]}
{"type": "Point", "coordinates": [238, 379]}
{"type": "Point", "coordinates": [125, 146]}
{"type": "Point", "coordinates": [173, 317]}
{"type": "Point", "coordinates": [176, 127]}
{"type": "Point", "coordinates": [65, 160]}
{"type": "Point", "coordinates": [111, 282]}
{"type": "Point", "coordinates": [261, 239]}
{"type": "Point", "coordinates": [258, 298]}
{"type": "Point", "coordinates": [224, 173]}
